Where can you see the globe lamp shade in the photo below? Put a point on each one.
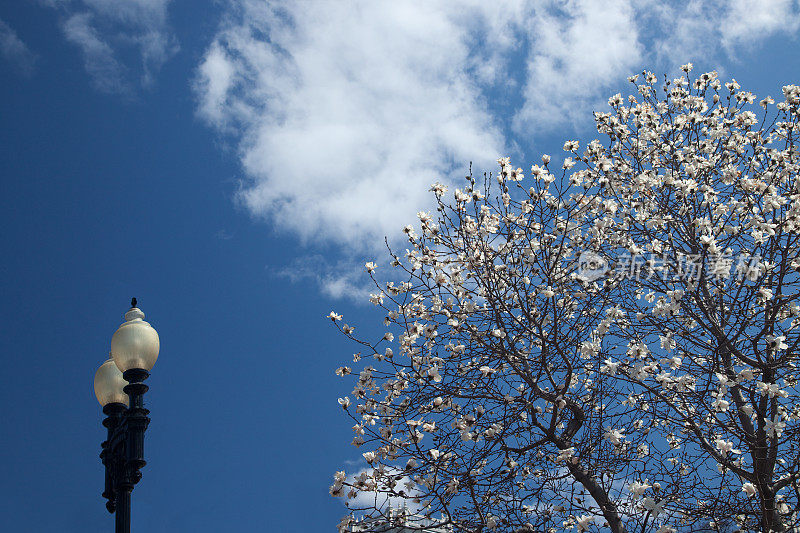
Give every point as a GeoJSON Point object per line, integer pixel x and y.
{"type": "Point", "coordinates": [135, 344]}
{"type": "Point", "coordinates": [108, 383]}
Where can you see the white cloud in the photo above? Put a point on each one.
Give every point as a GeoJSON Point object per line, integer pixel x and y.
{"type": "Point", "coordinates": [346, 112]}
{"type": "Point", "coordinates": [216, 77]}
{"type": "Point", "coordinates": [578, 48]}
{"type": "Point", "coordinates": [14, 50]}
{"type": "Point", "coordinates": [753, 20]}
{"type": "Point", "coordinates": [105, 30]}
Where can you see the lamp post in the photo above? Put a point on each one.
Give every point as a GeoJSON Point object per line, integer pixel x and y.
{"type": "Point", "coordinates": [119, 387]}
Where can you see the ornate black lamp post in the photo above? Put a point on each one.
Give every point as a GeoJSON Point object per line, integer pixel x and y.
{"type": "Point", "coordinates": [119, 387]}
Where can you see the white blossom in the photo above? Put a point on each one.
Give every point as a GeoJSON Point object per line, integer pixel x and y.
{"type": "Point", "coordinates": [614, 436]}
{"type": "Point", "coordinates": [655, 384]}
{"type": "Point", "coordinates": [638, 489]}
{"type": "Point", "coordinates": [583, 522]}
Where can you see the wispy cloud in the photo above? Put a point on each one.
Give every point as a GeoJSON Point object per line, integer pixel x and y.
{"type": "Point", "coordinates": [223, 235]}
{"type": "Point", "coordinates": [105, 30]}
{"type": "Point", "coordinates": [715, 31]}
{"type": "Point", "coordinates": [749, 21]}
{"type": "Point", "coordinates": [577, 49]}
{"type": "Point", "coordinates": [106, 72]}
{"type": "Point", "coordinates": [343, 279]}
{"type": "Point", "coordinates": [14, 50]}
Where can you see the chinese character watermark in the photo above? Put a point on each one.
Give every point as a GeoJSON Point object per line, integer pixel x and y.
{"type": "Point", "coordinates": [687, 267]}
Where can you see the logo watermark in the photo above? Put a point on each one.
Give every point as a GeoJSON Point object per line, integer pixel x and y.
{"type": "Point", "coordinates": [591, 266]}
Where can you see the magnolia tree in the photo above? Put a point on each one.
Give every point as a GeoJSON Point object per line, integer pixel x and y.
{"type": "Point", "coordinates": [610, 345]}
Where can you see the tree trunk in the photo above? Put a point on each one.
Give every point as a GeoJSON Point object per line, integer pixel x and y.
{"type": "Point", "coordinates": [609, 508]}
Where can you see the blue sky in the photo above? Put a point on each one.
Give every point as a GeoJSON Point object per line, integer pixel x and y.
{"type": "Point", "coordinates": [233, 164]}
